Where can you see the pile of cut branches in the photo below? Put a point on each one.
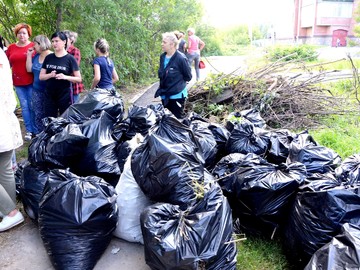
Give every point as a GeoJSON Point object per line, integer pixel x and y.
{"type": "Point", "coordinates": [287, 95]}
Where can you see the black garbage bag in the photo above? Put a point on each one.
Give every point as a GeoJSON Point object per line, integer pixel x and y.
{"type": "Point", "coordinates": [263, 192]}
{"type": "Point", "coordinates": [225, 172]}
{"type": "Point", "coordinates": [252, 115]}
{"type": "Point", "coordinates": [168, 163]}
{"type": "Point", "coordinates": [37, 152]}
{"type": "Point", "coordinates": [207, 142]}
{"type": "Point", "coordinates": [316, 158]}
{"type": "Point", "coordinates": [316, 217]}
{"type": "Point", "coordinates": [279, 146]}
{"type": "Point", "coordinates": [33, 181]}
{"type": "Point", "coordinates": [96, 101]}
{"type": "Point", "coordinates": [18, 174]}
{"type": "Point", "coordinates": [77, 216]}
{"type": "Point", "coordinates": [320, 181]}
{"type": "Point", "coordinates": [349, 170]}
{"type": "Point", "coordinates": [221, 135]}
{"type": "Point", "coordinates": [67, 146]}
{"type": "Point", "coordinates": [100, 156]}
{"type": "Point", "coordinates": [245, 138]}
{"type": "Point", "coordinates": [343, 252]}
{"type": "Point", "coordinates": [141, 119]}
{"type": "Point", "coordinates": [198, 238]}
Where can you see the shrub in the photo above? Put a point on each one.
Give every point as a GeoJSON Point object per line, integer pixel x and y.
{"type": "Point", "coordinates": [288, 53]}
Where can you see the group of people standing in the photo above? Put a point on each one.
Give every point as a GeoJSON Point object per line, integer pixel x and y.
{"type": "Point", "coordinates": [46, 74]}
{"type": "Point", "coordinates": [47, 80]}
{"type": "Point", "coordinates": [43, 78]}
{"type": "Point", "coordinates": [175, 68]}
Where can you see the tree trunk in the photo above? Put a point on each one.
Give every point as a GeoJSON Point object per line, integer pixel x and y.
{"type": "Point", "coordinates": [58, 15]}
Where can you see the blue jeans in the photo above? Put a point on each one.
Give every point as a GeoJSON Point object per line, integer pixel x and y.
{"type": "Point", "coordinates": [195, 56]}
{"type": "Point", "coordinates": [38, 99]}
{"type": "Point", "coordinates": [24, 94]}
{"type": "Point", "coordinates": [76, 98]}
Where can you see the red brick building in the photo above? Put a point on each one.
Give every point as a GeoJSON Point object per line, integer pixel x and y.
{"type": "Point", "coordinates": [325, 22]}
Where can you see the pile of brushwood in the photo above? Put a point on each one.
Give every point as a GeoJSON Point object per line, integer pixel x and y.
{"type": "Point", "coordinates": [288, 95]}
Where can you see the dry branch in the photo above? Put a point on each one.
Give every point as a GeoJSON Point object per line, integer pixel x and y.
{"type": "Point", "coordinates": [284, 98]}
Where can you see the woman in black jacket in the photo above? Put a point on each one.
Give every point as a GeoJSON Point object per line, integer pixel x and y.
{"type": "Point", "coordinates": [173, 73]}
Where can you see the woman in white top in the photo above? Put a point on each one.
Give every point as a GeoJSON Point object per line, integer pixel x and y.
{"type": "Point", "coordinates": [10, 139]}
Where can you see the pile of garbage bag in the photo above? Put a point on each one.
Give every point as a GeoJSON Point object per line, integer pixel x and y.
{"type": "Point", "coordinates": [182, 188]}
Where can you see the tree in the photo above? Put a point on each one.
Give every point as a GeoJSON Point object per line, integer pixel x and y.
{"type": "Point", "coordinates": [132, 28]}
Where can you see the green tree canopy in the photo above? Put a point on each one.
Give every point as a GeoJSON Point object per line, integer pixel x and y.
{"type": "Point", "coordinates": [132, 28]}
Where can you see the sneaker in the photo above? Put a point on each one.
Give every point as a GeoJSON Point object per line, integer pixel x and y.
{"type": "Point", "coordinates": [10, 222]}
{"type": "Point", "coordinates": [28, 136]}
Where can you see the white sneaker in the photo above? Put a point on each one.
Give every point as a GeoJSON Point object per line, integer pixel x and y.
{"type": "Point", "coordinates": [28, 136]}
{"type": "Point", "coordinates": [9, 222]}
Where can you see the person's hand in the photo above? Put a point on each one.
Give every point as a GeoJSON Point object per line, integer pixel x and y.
{"type": "Point", "coordinates": [30, 51]}
{"type": "Point", "coordinates": [60, 76]}
{"type": "Point", "coordinates": [53, 74]}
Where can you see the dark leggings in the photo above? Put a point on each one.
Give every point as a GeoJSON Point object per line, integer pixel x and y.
{"type": "Point", "coordinates": [176, 106]}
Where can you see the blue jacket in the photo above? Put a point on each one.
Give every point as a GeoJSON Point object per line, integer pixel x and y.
{"type": "Point", "coordinates": [173, 78]}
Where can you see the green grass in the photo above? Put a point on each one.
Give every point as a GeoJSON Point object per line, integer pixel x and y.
{"type": "Point", "coordinates": [339, 65]}
{"type": "Point", "coordinates": [342, 135]}
{"type": "Point", "coordinates": [261, 254]}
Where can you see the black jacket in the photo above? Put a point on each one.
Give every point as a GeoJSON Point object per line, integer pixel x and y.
{"type": "Point", "coordinates": [173, 78]}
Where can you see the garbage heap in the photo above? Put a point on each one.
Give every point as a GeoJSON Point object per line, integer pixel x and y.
{"type": "Point", "coordinates": [179, 187]}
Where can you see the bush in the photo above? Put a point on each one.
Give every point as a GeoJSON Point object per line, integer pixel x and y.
{"type": "Point", "coordinates": [288, 53]}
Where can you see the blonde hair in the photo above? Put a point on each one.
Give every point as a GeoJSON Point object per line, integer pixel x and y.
{"type": "Point", "coordinates": [171, 37]}
{"type": "Point", "coordinates": [102, 45]}
{"type": "Point", "coordinates": [43, 42]}
{"type": "Point", "coordinates": [192, 30]}
{"type": "Point", "coordinates": [71, 35]}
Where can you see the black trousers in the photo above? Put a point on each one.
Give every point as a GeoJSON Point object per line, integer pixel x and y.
{"type": "Point", "coordinates": [56, 102]}
{"type": "Point", "coordinates": [176, 106]}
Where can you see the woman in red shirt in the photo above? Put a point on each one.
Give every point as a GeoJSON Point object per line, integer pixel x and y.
{"type": "Point", "coordinates": [22, 79]}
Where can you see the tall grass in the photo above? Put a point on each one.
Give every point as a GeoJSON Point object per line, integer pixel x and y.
{"type": "Point", "coordinates": [342, 135]}
{"type": "Point", "coordinates": [341, 132]}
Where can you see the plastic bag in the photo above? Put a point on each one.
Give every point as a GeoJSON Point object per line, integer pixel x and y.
{"type": "Point", "coordinates": [262, 191]}
{"type": "Point", "coordinates": [349, 170]}
{"type": "Point", "coordinates": [198, 238]}
{"type": "Point", "coordinates": [96, 101]}
{"type": "Point", "coordinates": [206, 141]}
{"type": "Point", "coordinates": [279, 146]}
{"type": "Point", "coordinates": [37, 152]}
{"type": "Point", "coordinates": [316, 158]}
{"type": "Point", "coordinates": [245, 138]}
{"type": "Point", "coordinates": [131, 202]}
{"type": "Point", "coordinates": [100, 156]}
{"type": "Point", "coordinates": [77, 216]}
{"type": "Point", "coordinates": [252, 115]}
{"type": "Point", "coordinates": [33, 181]}
{"type": "Point", "coordinates": [343, 252]}
{"type": "Point", "coordinates": [316, 217]}
{"type": "Point", "coordinates": [221, 135]}
{"type": "Point", "coordinates": [168, 163]}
